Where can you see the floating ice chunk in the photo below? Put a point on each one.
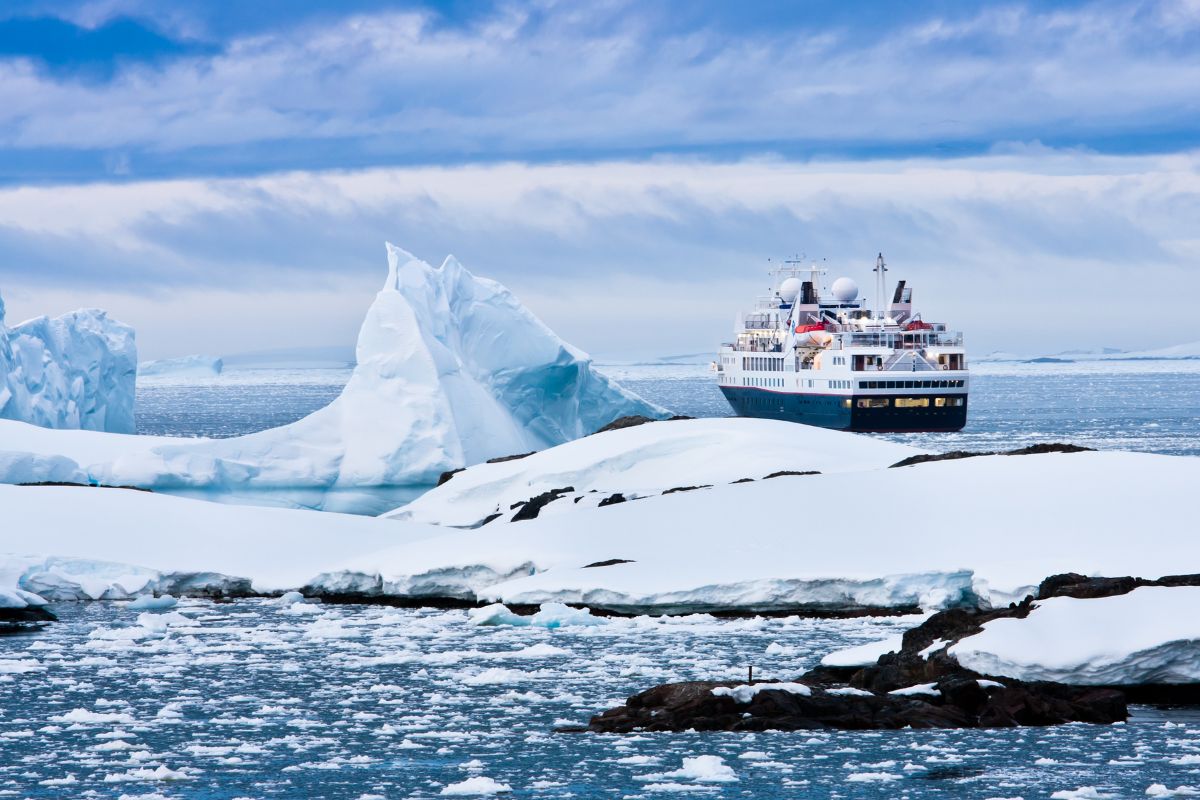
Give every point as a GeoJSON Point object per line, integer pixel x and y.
{"type": "Point", "coordinates": [871, 777]}
{"type": "Point", "coordinates": [1082, 793]}
{"type": "Point", "coordinates": [496, 675]}
{"type": "Point", "coordinates": [747, 692]}
{"type": "Point", "coordinates": [160, 773]}
{"type": "Point", "coordinates": [148, 602]}
{"type": "Point", "coordinates": [477, 786]}
{"type": "Point", "coordinates": [701, 769]}
{"type": "Point", "coordinates": [549, 615]}
{"type": "Point", "coordinates": [82, 716]}
{"type": "Point", "coordinates": [289, 598]}
{"type": "Point", "coordinates": [1160, 790]}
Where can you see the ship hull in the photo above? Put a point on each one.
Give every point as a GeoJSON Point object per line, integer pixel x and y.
{"type": "Point", "coordinates": [831, 411]}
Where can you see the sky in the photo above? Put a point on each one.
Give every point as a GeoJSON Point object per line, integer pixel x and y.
{"type": "Point", "coordinates": [223, 176]}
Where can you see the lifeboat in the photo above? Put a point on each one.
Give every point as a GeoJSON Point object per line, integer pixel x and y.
{"type": "Point", "coordinates": [812, 336]}
{"type": "Point", "coordinates": [918, 325]}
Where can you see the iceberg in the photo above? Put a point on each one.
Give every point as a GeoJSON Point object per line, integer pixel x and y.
{"type": "Point", "coordinates": [77, 371]}
{"type": "Point", "coordinates": [195, 366]}
{"type": "Point", "coordinates": [451, 370]}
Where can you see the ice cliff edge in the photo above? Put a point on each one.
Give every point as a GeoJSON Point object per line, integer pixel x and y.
{"type": "Point", "coordinates": [74, 371]}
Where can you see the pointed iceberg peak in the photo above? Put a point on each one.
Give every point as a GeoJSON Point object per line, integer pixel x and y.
{"type": "Point", "coordinates": [398, 258]}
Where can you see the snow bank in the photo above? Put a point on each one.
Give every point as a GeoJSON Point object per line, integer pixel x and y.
{"type": "Point", "coordinates": [184, 366]}
{"type": "Point", "coordinates": [985, 529]}
{"type": "Point", "coordinates": [74, 371]}
{"type": "Point", "coordinates": [452, 370]}
{"type": "Point", "coordinates": [73, 543]}
{"type": "Point", "coordinates": [931, 535]}
{"type": "Point", "coordinates": [1151, 635]}
{"type": "Point", "coordinates": [648, 460]}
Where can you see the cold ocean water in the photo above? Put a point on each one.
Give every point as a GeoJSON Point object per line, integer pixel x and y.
{"type": "Point", "coordinates": [251, 699]}
{"type": "Point", "coordinates": [1131, 405]}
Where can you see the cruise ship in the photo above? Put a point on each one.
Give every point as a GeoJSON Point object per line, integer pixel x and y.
{"type": "Point", "coordinates": [823, 358]}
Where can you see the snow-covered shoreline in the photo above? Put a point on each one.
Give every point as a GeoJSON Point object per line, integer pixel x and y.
{"type": "Point", "coordinates": [993, 529]}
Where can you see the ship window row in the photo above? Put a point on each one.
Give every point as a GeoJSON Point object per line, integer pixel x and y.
{"type": "Point", "coordinates": [953, 384]}
{"type": "Point", "coordinates": [764, 383]}
{"type": "Point", "coordinates": [910, 402]}
{"type": "Point", "coordinates": [839, 384]}
{"type": "Point", "coordinates": [755, 363]}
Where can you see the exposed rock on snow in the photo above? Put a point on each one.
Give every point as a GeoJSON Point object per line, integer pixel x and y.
{"type": "Point", "coordinates": [74, 371]}
{"type": "Point", "coordinates": [184, 366]}
{"type": "Point", "coordinates": [452, 370]}
{"type": "Point", "coordinates": [642, 461]}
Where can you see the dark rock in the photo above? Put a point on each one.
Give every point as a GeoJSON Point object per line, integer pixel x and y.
{"type": "Point", "coordinates": [86, 485]}
{"type": "Point", "coordinates": [783, 472]}
{"type": "Point", "coordinates": [489, 518]}
{"type": "Point", "coordinates": [687, 488]}
{"type": "Point", "coordinates": [612, 500]}
{"type": "Point", "coordinates": [962, 704]}
{"type": "Point", "coordinates": [634, 420]}
{"type": "Point", "coordinates": [529, 509]}
{"type": "Point", "coordinates": [448, 474]}
{"type": "Point", "coordinates": [27, 614]}
{"type": "Point", "coordinates": [744, 480]}
{"type": "Point", "coordinates": [610, 562]}
{"type": "Point", "coordinates": [1072, 584]}
{"type": "Point", "coordinates": [1031, 450]}
{"type": "Point", "coordinates": [502, 459]}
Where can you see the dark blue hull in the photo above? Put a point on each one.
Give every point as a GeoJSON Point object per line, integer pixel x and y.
{"type": "Point", "coordinates": [833, 411]}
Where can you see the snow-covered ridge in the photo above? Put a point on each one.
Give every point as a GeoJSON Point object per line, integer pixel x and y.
{"type": "Point", "coordinates": [74, 371]}
{"type": "Point", "coordinates": [987, 530]}
{"type": "Point", "coordinates": [190, 366]}
{"type": "Point", "coordinates": [451, 371]}
{"type": "Point", "coordinates": [647, 460]}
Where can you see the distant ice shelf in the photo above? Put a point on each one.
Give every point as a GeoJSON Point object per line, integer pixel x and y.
{"type": "Point", "coordinates": [184, 366]}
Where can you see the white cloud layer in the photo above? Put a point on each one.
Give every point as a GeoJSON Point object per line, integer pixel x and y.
{"type": "Point", "coordinates": [567, 77]}
{"type": "Point", "coordinates": [1030, 249]}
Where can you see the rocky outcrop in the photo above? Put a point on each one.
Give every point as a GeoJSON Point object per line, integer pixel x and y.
{"type": "Point", "coordinates": [633, 421]}
{"type": "Point", "coordinates": [1031, 450]}
{"type": "Point", "coordinates": [919, 686]}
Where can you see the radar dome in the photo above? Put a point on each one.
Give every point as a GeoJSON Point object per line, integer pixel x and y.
{"type": "Point", "coordinates": [789, 289]}
{"type": "Point", "coordinates": [845, 290]}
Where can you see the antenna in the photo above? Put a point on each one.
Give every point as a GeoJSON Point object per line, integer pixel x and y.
{"type": "Point", "coordinates": [880, 285]}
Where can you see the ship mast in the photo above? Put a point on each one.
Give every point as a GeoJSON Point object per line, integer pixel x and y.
{"type": "Point", "coordinates": [880, 286]}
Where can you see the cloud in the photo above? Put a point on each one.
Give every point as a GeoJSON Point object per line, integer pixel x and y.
{"type": "Point", "coordinates": [1027, 245]}
{"type": "Point", "coordinates": [553, 81]}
